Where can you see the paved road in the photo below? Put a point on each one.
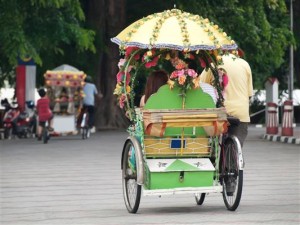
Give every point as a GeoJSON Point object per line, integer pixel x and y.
{"type": "Point", "coordinates": [74, 181]}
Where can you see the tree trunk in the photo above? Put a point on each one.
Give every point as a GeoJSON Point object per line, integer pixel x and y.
{"type": "Point", "coordinates": [107, 17]}
{"type": "Point", "coordinates": [296, 7]}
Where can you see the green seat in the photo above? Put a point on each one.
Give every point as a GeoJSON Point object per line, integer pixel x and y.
{"type": "Point", "coordinates": [166, 98]}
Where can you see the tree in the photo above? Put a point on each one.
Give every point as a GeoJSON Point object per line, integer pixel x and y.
{"type": "Point", "coordinates": [261, 29]}
{"type": "Point", "coordinates": [54, 32]}
{"type": "Point", "coordinates": [107, 19]}
{"type": "Point", "coordinates": [297, 47]}
{"type": "Point", "coordinates": [40, 29]}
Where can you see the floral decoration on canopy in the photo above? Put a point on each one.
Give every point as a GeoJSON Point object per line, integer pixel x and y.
{"type": "Point", "coordinates": [181, 43]}
{"type": "Point", "coordinates": [64, 78]}
{"type": "Point", "coordinates": [181, 73]}
{"type": "Point", "coordinates": [188, 32]}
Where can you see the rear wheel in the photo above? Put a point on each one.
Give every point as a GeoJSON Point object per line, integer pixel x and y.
{"type": "Point", "coordinates": [45, 135]}
{"type": "Point", "coordinates": [131, 190]}
{"type": "Point", "coordinates": [231, 175]}
{"type": "Point", "coordinates": [7, 133]}
{"type": "Point", "coordinates": [199, 197]}
{"type": "Point", "coordinates": [85, 131]}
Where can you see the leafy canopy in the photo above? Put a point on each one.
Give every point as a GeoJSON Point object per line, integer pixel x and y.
{"type": "Point", "coordinates": [261, 28]}
{"type": "Point", "coordinates": [36, 28]}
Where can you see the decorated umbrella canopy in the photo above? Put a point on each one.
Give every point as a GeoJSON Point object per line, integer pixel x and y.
{"type": "Point", "coordinates": [64, 75]}
{"type": "Point", "coordinates": [173, 37]}
{"type": "Point", "coordinates": [174, 29]}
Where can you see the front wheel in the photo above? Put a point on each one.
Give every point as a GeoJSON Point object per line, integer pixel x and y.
{"type": "Point", "coordinates": [131, 190]}
{"type": "Point", "coordinates": [199, 197]}
{"type": "Point", "coordinates": [231, 174]}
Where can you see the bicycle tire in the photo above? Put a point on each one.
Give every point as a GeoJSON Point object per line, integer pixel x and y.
{"type": "Point", "coordinates": [131, 190]}
{"type": "Point", "coordinates": [83, 133]}
{"type": "Point", "coordinates": [45, 135]}
{"type": "Point", "coordinates": [199, 198]}
{"type": "Point", "coordinates": [231, 174]}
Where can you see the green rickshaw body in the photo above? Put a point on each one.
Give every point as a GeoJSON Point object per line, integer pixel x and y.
{"type": "Point", "coordinates": [177, 157]}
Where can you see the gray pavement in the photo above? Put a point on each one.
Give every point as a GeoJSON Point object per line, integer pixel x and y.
{"type": "Point", "coordinates": [74, 181]}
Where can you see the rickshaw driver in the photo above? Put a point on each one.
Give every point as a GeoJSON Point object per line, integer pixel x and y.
{"type": "Point", "coordinates": [236, 94]}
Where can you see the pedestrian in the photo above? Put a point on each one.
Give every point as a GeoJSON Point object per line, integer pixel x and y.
{"type": "Point", "coordinates": [237, 92]}
{"type": "Point", "coordinates": [90, 92]}
{"type": "Point", "coordinates": [44, 112]}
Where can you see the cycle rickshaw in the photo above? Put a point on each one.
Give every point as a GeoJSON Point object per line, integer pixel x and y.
{"type": "Point", "coordinates": [64, 85]}
{"type": "Point", "coordinates": [178, 142]}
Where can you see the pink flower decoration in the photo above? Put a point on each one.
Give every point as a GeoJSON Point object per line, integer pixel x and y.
{"type": "Point", "coordinates": [129, 50]}
{"type": "Point", "coordinates": [192, 57]}
{"type": "Point", "coordinates": [202, 63]}
{"type": "Point", "coordinates": [225, 80]}
{"type": "Point", "coordinates": [180, 73]}
{"type": "Point", "coordinates": [121, 63]}
{"type": "Point", "coordinates": [191, 73]}
{"type": "Point", "coordinates": [177, 73]}
{"type": "Point", "coordinates": [174, 74]}
{"type": "Point", "coordinates": [152, 63]}
{"type": "Point", "coordinates": [122, 101]}
{"type": "Point", "coordinates": [120, 77]}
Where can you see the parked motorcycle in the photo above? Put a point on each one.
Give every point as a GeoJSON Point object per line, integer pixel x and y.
{"type": "Point", "coordinates": [17, 123]}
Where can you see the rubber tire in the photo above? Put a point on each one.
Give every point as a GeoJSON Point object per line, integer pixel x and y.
{"type": "Point", "coordinates": [131, 199]}
{"type": "Point", "coordinates": [45, 135]}
{"type": "Point", "coordinates": [231, 201]}
{"type": "Point", "coordinates": [83, 133]}
{"type": "Point", "coordinates": [7, 133]}
{"type": "Point", "coordinates": [200, 200]}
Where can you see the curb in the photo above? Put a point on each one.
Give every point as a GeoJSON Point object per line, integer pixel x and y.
{"type": "Point", "coordinates": [284, 139]}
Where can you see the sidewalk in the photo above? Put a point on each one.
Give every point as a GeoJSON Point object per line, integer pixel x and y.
{"type": "Point", "coordinates": [295, 139]}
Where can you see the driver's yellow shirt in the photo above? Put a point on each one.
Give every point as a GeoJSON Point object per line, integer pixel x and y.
{"type": "Point", "coordinates": [239, 88]}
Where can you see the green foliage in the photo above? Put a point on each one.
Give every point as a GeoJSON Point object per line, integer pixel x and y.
{"type": "Point", "coordinates": [261, 28]}
{"type": "Point", "coordinates": [41, 29]}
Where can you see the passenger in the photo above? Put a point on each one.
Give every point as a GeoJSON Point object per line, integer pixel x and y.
{"type": "Point", "coordinates": [155, 80]}
{"type": "Point", "coordinates": [209, 89]}
{"type": "Point", "coordinates": [236, 94]}
{"type": "Point", "coordinates": [44, 112]}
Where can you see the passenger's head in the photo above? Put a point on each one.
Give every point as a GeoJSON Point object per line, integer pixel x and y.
{"type": "Point", "coordinates": [42, 92]}
{"type": "Point", "coordinates": [155, 80]}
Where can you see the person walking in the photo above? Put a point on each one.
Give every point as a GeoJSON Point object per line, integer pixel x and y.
{"type": "Point", "coordinates": [237, 92]}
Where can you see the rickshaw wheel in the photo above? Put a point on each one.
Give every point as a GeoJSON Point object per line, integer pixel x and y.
{"type": "Point", "coordinates": [85, 132]}
{"type": "Point", "coordinates": [231, 175]}
{"type": "Point", "coordinates": [199, 197]}
{"type": "Point", "coordinates": [131, 190]}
